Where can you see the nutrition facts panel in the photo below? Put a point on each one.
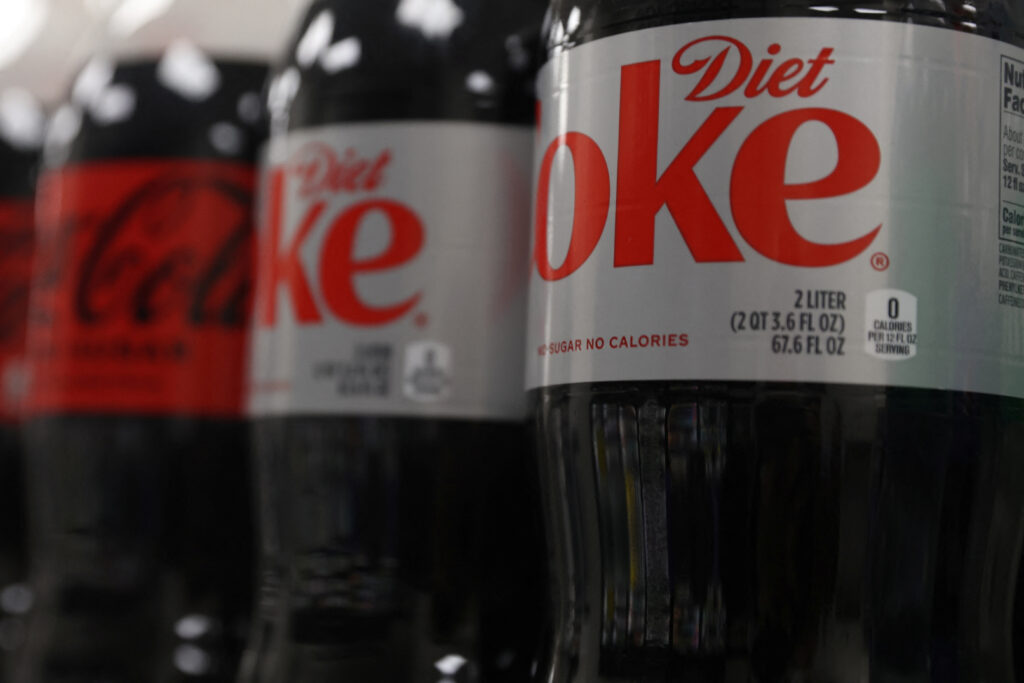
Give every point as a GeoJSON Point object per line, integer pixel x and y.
{"type": "Point", "coordinates": [1011, 145]}
{"type": "Point", "coordinates": [1011, 182]}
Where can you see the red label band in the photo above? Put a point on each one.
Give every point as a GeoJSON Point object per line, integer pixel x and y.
{"type": "Point", "coordinates": [17, 235]}
{"type": "Point", "coordinates": [142, 289]}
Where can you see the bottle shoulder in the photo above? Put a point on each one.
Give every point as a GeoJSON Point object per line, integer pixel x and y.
{"type": "Point", "coordinates": [395, 59]}
{"type": "Point", "coordinates": [573, 22]}
{"type": "Point", "coordinates": [190, 106]}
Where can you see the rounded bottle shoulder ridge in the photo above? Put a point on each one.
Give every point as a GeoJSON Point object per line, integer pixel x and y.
{"type": "Point", "coordinates": [182, 105]}
{"type": "Point", "coordinates": [176, 78]}
{"type": "Point", "coordinates": [400, 59]}
{"type": "Point", "coordinates": [574, 22]}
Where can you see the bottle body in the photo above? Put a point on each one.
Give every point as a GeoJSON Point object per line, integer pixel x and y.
{"type": "Point", "coordinates": [396, 526]}
{"type": "Point", "coordinates": [17, 235]}
{"type": "Point", "coordinates": [45, 47]}
{"type": "Point", "coordinates": [762, 475]}
{"type": "Point", "coordinates": [138, 453]}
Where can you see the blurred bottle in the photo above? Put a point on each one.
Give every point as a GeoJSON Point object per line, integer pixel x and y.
{"type": "Point", "coordinates": [21, 134]}
{"type": "Point", "coordinates": [776, 340]}
{"type": "Point", "coordinates": [398, 515]}
{"type": "Point", "coordinates": [42, 42]}
{"type": "Point", "coordinates": [21, 125]}
{"type": "Point", "coordinates": [137, 451]}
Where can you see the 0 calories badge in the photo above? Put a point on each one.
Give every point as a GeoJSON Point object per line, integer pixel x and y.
{"type": "Point", "coordinates": [891, 323]}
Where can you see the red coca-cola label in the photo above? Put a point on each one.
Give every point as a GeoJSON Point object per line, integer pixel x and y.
{"type": "Point", "coordinates": [16, 240]}
{"type": "Point", "coordinates": [142, 288]}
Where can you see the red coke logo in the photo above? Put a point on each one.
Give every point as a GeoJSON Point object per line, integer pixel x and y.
{"type": "Point", "coordinates": [799, 76]}
{"type": "Point", "coordinates": [281, 263]}
{"type": "Point", "coordinates": [758, 190]}
{"type": "Point", "coordinates": [142, 288]}
{"type": "Point", "coordinates": [174, 250]}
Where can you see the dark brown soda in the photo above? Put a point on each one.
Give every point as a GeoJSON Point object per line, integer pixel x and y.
{"type": "Point", "coordinates": [764, 532]}
{"type": "Point", "coordinates": [400, 542]}
{"type": "Point", "coordinates": [742, 532]}
{"type": "Point", "coordinates": [18, 164]}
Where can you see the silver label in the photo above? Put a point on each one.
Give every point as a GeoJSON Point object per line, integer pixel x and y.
{"type": "Point", "coordinates": [392, 277]}
{"type": "Point", "coordinates": [814, 200]}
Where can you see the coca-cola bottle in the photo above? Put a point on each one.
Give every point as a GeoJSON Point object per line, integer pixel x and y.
{"type": "Point", "coordinates": [21, 126]}
{"type": "Point", "coordinates": [397, 502]}
{"type": "Point", "coordinates": [42, 46]}
{"type": "Point", "coordinates": [136, 443]}
{"type": "Point", "coordinates": [776, 340]}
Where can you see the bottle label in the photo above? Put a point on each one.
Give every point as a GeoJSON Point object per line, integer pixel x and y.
{"type": "Point", "coordinates": [142, 289]}
{"type": "Point", "coordinates": [17, 236]}
{"type": "Point", "coordinates": [392, 271]}
{"type": "Point", "coordinates": [807, 200]}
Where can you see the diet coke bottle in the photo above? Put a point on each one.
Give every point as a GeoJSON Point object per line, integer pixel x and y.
{"type": "Point", "coordinates": [776, 340]}
{"type": "Point", "coordinates": [397, 506]}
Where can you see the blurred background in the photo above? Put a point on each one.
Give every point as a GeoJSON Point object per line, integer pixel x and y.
{"type": "Point", "coordinates": [150, 532]}
{"type": "Point", "coordinates": [42, 43]}
{"type": "Point", "coordinates": [102, 574]}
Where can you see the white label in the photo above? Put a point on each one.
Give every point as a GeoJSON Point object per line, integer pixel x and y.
{"type": "Point", "coordinates": [744, 199]}
{"type": "Point", "coordinates": [392, 277]}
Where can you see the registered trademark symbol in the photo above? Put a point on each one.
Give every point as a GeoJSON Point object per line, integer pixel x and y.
{"type": "Point", "coordinates": [880, 261]}
{"type": "Point", "coordinates": [421, 320]}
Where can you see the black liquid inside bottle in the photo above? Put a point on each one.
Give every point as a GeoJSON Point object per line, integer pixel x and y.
{"type": "Point", "coordinates": [18, 165]}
